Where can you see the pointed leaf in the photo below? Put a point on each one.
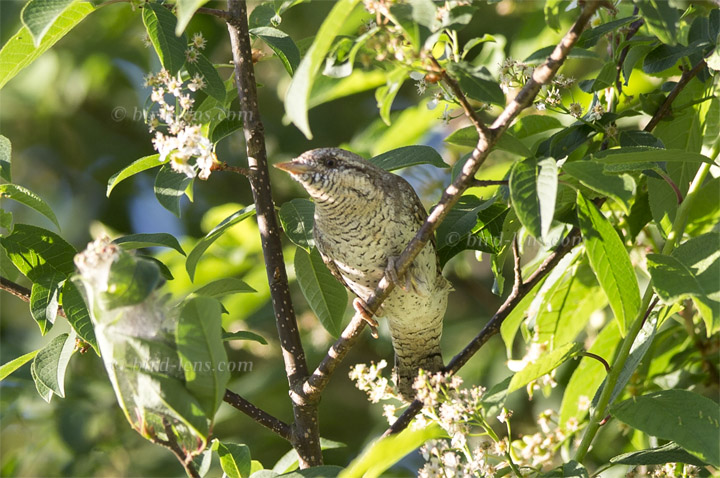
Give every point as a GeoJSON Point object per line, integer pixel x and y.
{"type": "Point", "coordinates": [214, 85]}
{"type": "Point", "coordinates": [223, 287]}
{"type": "Point", "coordinates": [243, 335]}
{"type": "Point", "coordinates": [39, 253]}
{"type": "Point", "coordinates": [51, 362]}
{"type": "Point", "coordinates": [297, 220]}
{"type": "Point", "coordinates": [610, 262]}
{"type": "Point", "coordinates": [29, 198]}
{"type": "Point", "coordinates": [139, 241]}
{"type": "Point", "coordinates": [296, 98]}
{"type": "Point", "coordinates": [544, 365]}
{"type": "Point", "coordinates": [234, 459]}
{"type": "Point", "coordinates": [77, 313]}
{"type": "Point", "coordinates": [142, 164]}
{"type": "Point", "coordinates": [44, 300]}
{"type": "Point", "coordinates": [201, 352]}
{"type": "Point", "coordinates": [161, 24]}
{"type": "Point", "coordinates": [621, 188]}
{"type": "Point", "coordinates": [533, 191]}
{"type": "Point", "coordinates": [326, 296]}
{"type": "Point", "coordinates": [39, 15]}
{"type": "Point", "coordinates": [281, 44]}
{"type": "Point", "coordinates": [170, 187]}
{"type": "Point", "coordinates": [19, 51]}
{"type": "Point", "coordinates": [212, 236]}
{"type": "Point", "coordinates": [408, 156]}
{"type": "Point", "coordinates": [185, 11]}
{"type": "Point", "coordinates": [688, 419]}
{"type": "Point", "coordinates": [16, 363]}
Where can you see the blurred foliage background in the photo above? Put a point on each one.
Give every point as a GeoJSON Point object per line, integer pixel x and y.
{"type": "Point", "coordinates": [74, 119]}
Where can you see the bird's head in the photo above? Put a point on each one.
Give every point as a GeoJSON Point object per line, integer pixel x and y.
{"type": "Point", "coordinates": [332, 173]}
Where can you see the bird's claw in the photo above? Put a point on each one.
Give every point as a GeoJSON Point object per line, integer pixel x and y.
{"type": "Point", "coordinates": [361, 308]}
{"type": "Point", "coordinates": [392, 275]}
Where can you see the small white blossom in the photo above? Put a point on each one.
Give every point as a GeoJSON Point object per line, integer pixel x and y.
{"type": "Point", "coordinates": [198, 41]}
{"type": "Point", "coordinates": [596, 112]}
{"type": "Point", "coordinates": [575, 110]}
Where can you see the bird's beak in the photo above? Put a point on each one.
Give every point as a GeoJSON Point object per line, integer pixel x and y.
{"type": "Point", "coordinates": [294, 167]}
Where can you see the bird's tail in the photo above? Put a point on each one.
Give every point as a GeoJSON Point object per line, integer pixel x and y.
{"type": "Point", "coordinates": [417, 350]}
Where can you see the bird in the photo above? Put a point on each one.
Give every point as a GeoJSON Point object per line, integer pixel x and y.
{"type": "Point", "coordinates": [364, 217]}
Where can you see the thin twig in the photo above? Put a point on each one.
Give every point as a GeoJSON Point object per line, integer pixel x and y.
{"type": "Point", "coordinates": [480, 183]}
{"type": "Point", "coordinates": [171, 444]}
{"type": "Point", "coordinates": [634, 28]}
{"type": "Point", "coordinates": [305, 430]}
{"type": "Point", "coordinates": [541, 75]}
{"type": "Point", "coordinates": [598, 358]}
{"type": "Point", "coordinates": [223, 166]}
{"type": "Point", "coordinates": [22, 293]}
{"type": "Point", "coordinates": [261, 416]}
{"type": "Point", "coordinates": [665, 107]}
{"type": "Point", "coordinates": [457, 91]}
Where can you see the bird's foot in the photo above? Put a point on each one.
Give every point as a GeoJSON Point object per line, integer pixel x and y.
{"type": "Point", "coordinates": [361, 308]}
{"type": "Point", "coordinates": [391, 272]}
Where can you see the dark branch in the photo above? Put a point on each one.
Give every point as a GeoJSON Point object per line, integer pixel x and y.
{"type": "Point", "coordinates": [225, 15]}
{"type": "Point", "coordinates": [634, 27]}
{"type": "Point", "coordinates": [261, 416]}
{"type": "Point", "coordinates": [665, 107]}
{"type": "Point", "coordinates": [306, 434]}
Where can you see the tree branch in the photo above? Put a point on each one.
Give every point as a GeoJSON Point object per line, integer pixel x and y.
{"type": "Point", "coordinates": [487, 139]}
{"type": "Point", "coordinates": [664, 109]}
{"type": "Point", "coordinates": [305, 431]}
{"type": "Point", "coordinates": [22, 293]}
{"type": "Point", "coordinates": [261, 416]}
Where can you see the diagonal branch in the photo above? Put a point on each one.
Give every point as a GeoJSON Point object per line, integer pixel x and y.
{"type": "Point", "coordinates": [259, 415]}
{"type": "Point", "coordinates": [306, 435]}
{"type": "Point", "coordinates": [487, 139]}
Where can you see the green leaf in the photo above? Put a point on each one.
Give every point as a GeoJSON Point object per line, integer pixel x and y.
{"type": "Point", "coordinates": [38, 253]}
{"type": "Point", "coordinates": [77, 313]}
{"type": "Point", "coordinates": [185, 11]}
{"type": "Point", "coordinates": [663, 57]}
{"type": "Point", "coordinates": [461, 220]}
{"type": "Point", "coordinates": [20, 51]}
{"type": "Point", "coordinates": [44, 300]}
{"type": "Point", "coordinates": [610, 262]}
{"type": "Point", "coordinates": [661, 18]}
{"type": "Point", "coordinates": [212, 236]}
{"type": "Point", "coordinates": [553, 10]}
{"type": "Point", "coordinates": [297, 219]}
{"type": "Point", "coordinates": [544, 365]}
{"type": "Point", "coordinates": [214, 85]}
{"type": "Point", "coordinates": [39, 15]}
{"type": "Point", "coordinates": [14, 364]}
{"type": "Point", "coordinates": [130, 281]}
{"type": "Point", "coordinates": [281, 44]}
{"type": "Point", "coordinates": [533, 191]}
{"type": "Point", "coordinates": [621, 188]}
{"type": "Point", "coordinates": [161, 24]}
{"type": "Point", "coordinates": [234, 459]}
{"type": "Point", "coordinates": [223, 287]}
{"type": "Point", "coordinates": [589, 38]}
{"type": "Point", "coordinates": [692, 270]}
{"type": "Point", "coordinates": [225, 128]}
{"type": "Point", "coordinates": [385, 452]}
{"type": "Point", "coordinates": [385, 95]}
{"type": "Point", "coordinates": [29, 198]}
{"type": "Point", "coordinates": [468, 136]}
{"type": "Point", "coordinates": [51, 362]}
{"type": "Point", "coordinates": [5, 158]}
{"type": "Point", "coordinates": [296, 98]}
{"type": "Point", "coordinates": [41, 388]}
{"type": "Point", "coordinates": [589, 375]}
{"type": "Point", "coordinates": [170, 186]}
{"type": "Point", "coordinates": [508, 142]}
{"type": "Point", "coordinates": [534, 124]}
{"type": "Point", "coordinates": [142, 164]}
{"type": "Point", "coordinates": [567, 307]}
{"type": "Point", "coordinates": [604, 79]}
{"type": "Point", "coordinates": [201, 352]}
{"type": "Point", "coordinates": [408, 156]}
{"type": "Point", "coordinates": [326, 296]}
{"type": "Point", "coordinates": [477, 84]}
{"type": "Point", "coordinates": [573, 469]}
{"type": "Point", "coordinates": [668, 453]}
{"type": "Point", "coordinates": [327, 89]}
{"type": "Point", "coordinates": [159, 239]}
{"type": "Point", "coordinates": [542, 54]}
{"type": "Point", "coordinates": [688, 419]}
{"type": "Point", "coordinates": [243, 335]}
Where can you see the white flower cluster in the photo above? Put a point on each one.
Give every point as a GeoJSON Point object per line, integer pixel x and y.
{"type": "Point", "coordinates": [539, 449]}
{"type": "Point", "coordinates": [514, 74]}
{"type": "Point", "coordinates": [443, 461]}
{"type": "Point", "coordinates": [95, 261]}
{"type": "Point", "coordinates": [551, 97]}
{"type": "Point", "coordinates": [668, 470]}
{"type": "Point", "coordinates": [190, 151]}
{"type": "Point", "coordinates": [369, 379]}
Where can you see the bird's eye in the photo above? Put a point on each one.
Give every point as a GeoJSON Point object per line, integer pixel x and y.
{"type": "Point", "coordinates": [330, 163]}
